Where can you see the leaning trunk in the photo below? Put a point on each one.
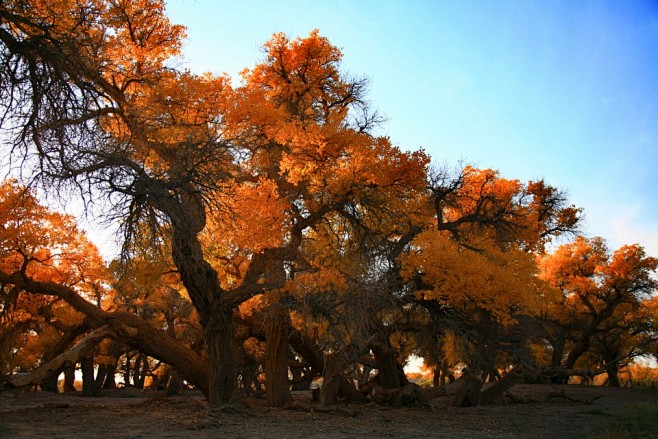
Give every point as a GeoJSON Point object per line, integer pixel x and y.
{"type": "Point", "coordinates": [133, 330]}
{"type": "Point", "coordinates": [578, 350]}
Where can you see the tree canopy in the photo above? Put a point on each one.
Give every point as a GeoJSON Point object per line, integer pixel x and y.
{"type": "Point", "coordinates": [270, 232]}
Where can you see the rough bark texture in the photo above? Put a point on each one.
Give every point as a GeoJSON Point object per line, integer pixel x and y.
{"type": "Point", "coordinates": [109, 382]}
{"type": "Point", "coordinates": [87, 368]}
{"type": "Point", "coordinates": [469, 393]}
{"type": "Point", "coordinates": [489, 395]}
{"type": "Point", "coordinates": [219, 334]}
{"type": "Point", "coordinates": [277, 324]}
{"type": "Point", "coordinates": [389, 373]}
{"type": "Point", "coordinates": [50, 384]}
{"type": "Point", "coordinates": [331, 380]}
{"type": "Point", "coordinates": [305, 347]}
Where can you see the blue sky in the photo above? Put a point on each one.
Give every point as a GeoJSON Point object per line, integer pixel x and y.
{"type": "Point", "coordinates": [564, 90]}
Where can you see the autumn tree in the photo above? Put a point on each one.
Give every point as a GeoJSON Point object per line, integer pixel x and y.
{"type": "Point", "coordinates": [603, 309]}
{"type": "Point", "coordinates": [44, 245]}
{"type": "Point", "coordinates": [106, 115]}
{"type": "Point", "coordinates": [470, 267]}
{"type": "Point", "coordinates": [311, 170]}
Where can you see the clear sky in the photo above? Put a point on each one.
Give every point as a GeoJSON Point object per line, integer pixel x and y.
{"type": "Point", "coordinates": [561, 90]}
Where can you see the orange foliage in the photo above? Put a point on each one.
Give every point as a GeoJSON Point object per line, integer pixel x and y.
{"type": "Point", "coordinates": [47, 246]}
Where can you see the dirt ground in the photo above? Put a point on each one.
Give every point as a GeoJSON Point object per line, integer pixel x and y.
{"type": "Point", "coordinates": [532, 411]}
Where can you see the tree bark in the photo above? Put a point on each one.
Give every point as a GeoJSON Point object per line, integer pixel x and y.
{"type": "Point", "coordinates": [141, 370]}
{"type": "Point", "coordinates": [175, 383]}
{"type": "Point", "coordinates": [331, 380]}
{"type": "Point", "coordinates": [558, 351]}
{"type": "Point", "coordinates": [220, 338]}
{"type": "Point", "coordinates": [502, 385]}
{"type": "Point", "coordinates": [305, 347]}
{"type": "Point", "coordinates": [110, 381]}
{"type": "Point", "coordinates": [101, 375]}
{"type": "Point", "coordinates": [612, 369]}
{"type": "Point", "coordinates": [469, 394]}
{"type": "Point", "coordinates": [389, 373]}
{"type": "Point", "coordinates": [69, 379]}
{"type": "Point", "coordinates": [127, 370]}
{"type": "Point", "coordinates": [277, 324]}
{"type": "Point", "coordinates": [50, 384]}
{"type": "Point", "coordinates": [87, 367]}
{"type": "Point", "coordinates": [578, 350]}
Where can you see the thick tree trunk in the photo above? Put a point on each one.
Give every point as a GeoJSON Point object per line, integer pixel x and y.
{"type": "Point", "coordinates": [612, 369]}
{"type": "Point", "coordinates": [302, 378]}
{"type": "Point", "coordinates": [277, 324]}
{"type": "Point", "coordinates": [69, 379]}
{"type": "Point", "coordinates": [50, 384]}
{"type": "Point", "coordinates": [469, 394]}
{"type": "Point", "coordinates": [127, 370]}
{"type": "Point", "coordinates": [101, 375]}
{"type": "Point", "coordinates": [305, 347]}
{"type": "Point", "coordinates": [220, 338]}
{"type": "Point", "coordinates": [141, 370]}
{"type": "Point", "coordinates": [67, 338]}
{"type": "Point", "coordinates": [110, 382]}
{"type": "Point", "coordinates": [502, 385]}
{"type": "Point", "coordinates": [578, 350]}
{"type": "Point", "coordinates": [558, 351]}
{"type": "Point", "coordinates": [331, 380]}
{"type": "Point", "coordinates": [175, 383]}
{"type": "Point", "coordinates": [87, 367]}
{"type": "Point", "coordinates": [385, 356]}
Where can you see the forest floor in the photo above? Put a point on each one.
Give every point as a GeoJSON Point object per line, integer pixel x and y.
{"type": "Point", "coordinates": [531, 411]}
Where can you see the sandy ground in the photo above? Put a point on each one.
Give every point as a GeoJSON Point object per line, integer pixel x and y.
{"type": "Point", "coordinates": [581, 412]}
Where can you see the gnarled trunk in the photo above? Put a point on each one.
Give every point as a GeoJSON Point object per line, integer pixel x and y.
{"type": "Point", "coordinates": [391, 374]}
{"type": "Point", "coordinates": [331, 380]}
{"type": "Point", "coordinates": [220, 338]}
{"type": "Point", "coordinates": [277, 324]}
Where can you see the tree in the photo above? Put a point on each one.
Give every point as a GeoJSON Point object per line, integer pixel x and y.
{"type": "Point", "coordinates": [107, 116]}
{"type": "Point", "coordinates": [604, 307]}
{"type": "Point", "coordinates": [311, 171]}
{"type": "Point", "coordinates": [470, 266]}
{"type": "Point", "coordinates": [44, 245]}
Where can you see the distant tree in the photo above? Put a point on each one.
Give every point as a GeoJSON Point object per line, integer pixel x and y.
{"type": "Point", "coordinates": [604, 309]}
